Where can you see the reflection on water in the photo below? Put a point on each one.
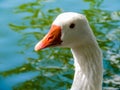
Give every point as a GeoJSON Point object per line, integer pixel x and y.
{"type": "Point", "coordinates": [21, 67]}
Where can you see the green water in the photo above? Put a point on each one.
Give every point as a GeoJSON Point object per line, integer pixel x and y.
{"type": "Point", "coordinates": [21, 68]}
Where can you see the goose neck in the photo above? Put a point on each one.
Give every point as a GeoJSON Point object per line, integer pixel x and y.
{"type": "Point", "coordinates": [88, 68]}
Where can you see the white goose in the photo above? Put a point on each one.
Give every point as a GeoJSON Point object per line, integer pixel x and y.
{"type": "Point", "coordinates": [73, 31]}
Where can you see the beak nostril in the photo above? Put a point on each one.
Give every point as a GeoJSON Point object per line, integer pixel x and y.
{"type": "Point", "coordinates": [51, 37]}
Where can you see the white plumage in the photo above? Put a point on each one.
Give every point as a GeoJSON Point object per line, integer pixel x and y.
{"type": "Point", "coordinates": [73, 31]}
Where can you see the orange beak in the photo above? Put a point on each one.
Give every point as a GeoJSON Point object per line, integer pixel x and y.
{"type": "Point", "coordinates": [51, 39]}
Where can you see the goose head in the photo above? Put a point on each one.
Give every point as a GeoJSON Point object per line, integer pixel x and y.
{"type": "Point", "coordinates": [67, 30]}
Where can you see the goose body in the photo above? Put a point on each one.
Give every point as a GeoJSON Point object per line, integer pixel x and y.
{"type": "Point", "coordinates": [72, 30]}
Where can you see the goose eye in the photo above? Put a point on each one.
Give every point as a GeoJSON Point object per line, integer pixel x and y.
{"type": "Point", "coordinates": [72, 25]}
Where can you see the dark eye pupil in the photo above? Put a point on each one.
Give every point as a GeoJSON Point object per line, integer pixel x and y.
{"type": "Point", "coordinates": [72, 25]}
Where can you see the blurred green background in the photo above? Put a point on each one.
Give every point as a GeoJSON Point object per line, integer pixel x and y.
{"type": "Point", "coordinates": [24, 22]}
